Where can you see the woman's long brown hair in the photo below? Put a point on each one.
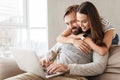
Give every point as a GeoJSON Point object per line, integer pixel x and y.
{"type": "Point", "coordinates": [96, 29]}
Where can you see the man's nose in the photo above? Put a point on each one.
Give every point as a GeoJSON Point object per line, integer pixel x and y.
{"type": "Point", "coordinates": [71, 26]}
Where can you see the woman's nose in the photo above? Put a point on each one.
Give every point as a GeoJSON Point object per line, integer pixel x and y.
{"type": "Point", "coordinates": [80, 24]}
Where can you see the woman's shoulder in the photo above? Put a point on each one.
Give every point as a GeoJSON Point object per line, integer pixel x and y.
{"type": "Point", "coordinates": [106, 24]}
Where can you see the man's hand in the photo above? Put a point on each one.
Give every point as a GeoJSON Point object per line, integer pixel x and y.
{"type": "Point", "coordinates": [54, 67]}
{"type": "Point", "coordinates": [45, 63]}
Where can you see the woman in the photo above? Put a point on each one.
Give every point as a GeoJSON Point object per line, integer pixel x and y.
{"type": "Point", "coordinates": [102, 32]}
{"type": "Point", "coordinates": [102, 36]}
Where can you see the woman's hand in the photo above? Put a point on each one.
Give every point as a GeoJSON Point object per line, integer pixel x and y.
{"type": "Point", "coordinates": [54, 68]}
{"type": "Point", "coordinates": [81, 45]}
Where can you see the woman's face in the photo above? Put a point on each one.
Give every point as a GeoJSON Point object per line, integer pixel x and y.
{"type": "Point", "coordinates": [83, 21]}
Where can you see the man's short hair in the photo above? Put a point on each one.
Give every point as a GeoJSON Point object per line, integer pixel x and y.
{"type": "Point", "coordinates": [70, 9]}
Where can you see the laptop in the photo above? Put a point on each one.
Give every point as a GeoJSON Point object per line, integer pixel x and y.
{"type": "Point", "coordinates": [28, 61]}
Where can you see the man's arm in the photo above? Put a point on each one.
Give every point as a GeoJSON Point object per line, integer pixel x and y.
{"type": "Point", "coordinates": [90, 69]}
{"type": "Point", "coordinates": [53, 51]}
{"type": "Point", "coordinates": [50, 55]}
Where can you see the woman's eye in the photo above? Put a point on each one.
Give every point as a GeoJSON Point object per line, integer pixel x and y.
{"type": "Point", "coordinates": [78, 21]}
{"type": "Point", "coordinates": [84, 21]}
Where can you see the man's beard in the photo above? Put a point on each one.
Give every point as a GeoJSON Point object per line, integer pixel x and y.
{"type": "Point", "coordinates": [76, 30]}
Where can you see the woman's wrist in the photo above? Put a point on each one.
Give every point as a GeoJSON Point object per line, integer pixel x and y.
{"type": "Point", "coordinates": [72, 40]}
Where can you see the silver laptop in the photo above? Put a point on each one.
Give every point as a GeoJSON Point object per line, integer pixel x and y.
{"type": "Point", "coordinates": [28, 61]}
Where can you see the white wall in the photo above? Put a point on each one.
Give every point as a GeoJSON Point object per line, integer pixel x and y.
{"type": "Point", "coordinates": [108, 9]}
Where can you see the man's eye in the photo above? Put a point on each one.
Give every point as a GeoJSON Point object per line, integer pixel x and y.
{"type": "Point", "coordinates": [75, 21]}
{"type": "Point", "coordinates": [67, 24]}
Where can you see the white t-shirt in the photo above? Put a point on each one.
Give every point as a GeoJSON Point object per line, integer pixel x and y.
{"type": "Point", "coordinates": [107, 26]}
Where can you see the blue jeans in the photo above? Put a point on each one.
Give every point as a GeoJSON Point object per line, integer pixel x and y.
{"type": "Point", "coordinates": [115, 41]}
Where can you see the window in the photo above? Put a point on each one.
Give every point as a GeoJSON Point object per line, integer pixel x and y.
{"type": "Point", "coordinates": [26, 21]}
{"type": "Point", "coordinates": [37, 22]}
{"type": "Point", "coordinates": [12, 13]}
{"type": "Point", "coordinates": [37, 13]}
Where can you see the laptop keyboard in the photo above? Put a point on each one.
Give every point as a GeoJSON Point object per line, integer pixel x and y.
{"type": "Point", "coordinates": [51, 74]}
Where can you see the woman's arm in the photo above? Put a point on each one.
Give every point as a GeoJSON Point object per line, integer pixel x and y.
{"type": "Point", "coordinates": [67, 37]}
{"type": "Point", "coordinates": [63, 37]}
{"type": "Point", "coordinates": [107, 40]}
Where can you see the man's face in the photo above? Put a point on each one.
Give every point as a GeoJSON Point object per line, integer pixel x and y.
{"type": "Point", "coordinates": [70, 21]}
{"type": "Point", "coordinates": [83, 21]}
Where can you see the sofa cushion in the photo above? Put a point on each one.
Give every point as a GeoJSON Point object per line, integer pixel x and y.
{"type": "Point", "coordinates": [112, 71]}
{"type": "Point", "coordinates": [114, 60]}
{"type": "Point", "coordinates": [106, 76]}
{"type": "Point", "coordinates": [8, 68]}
